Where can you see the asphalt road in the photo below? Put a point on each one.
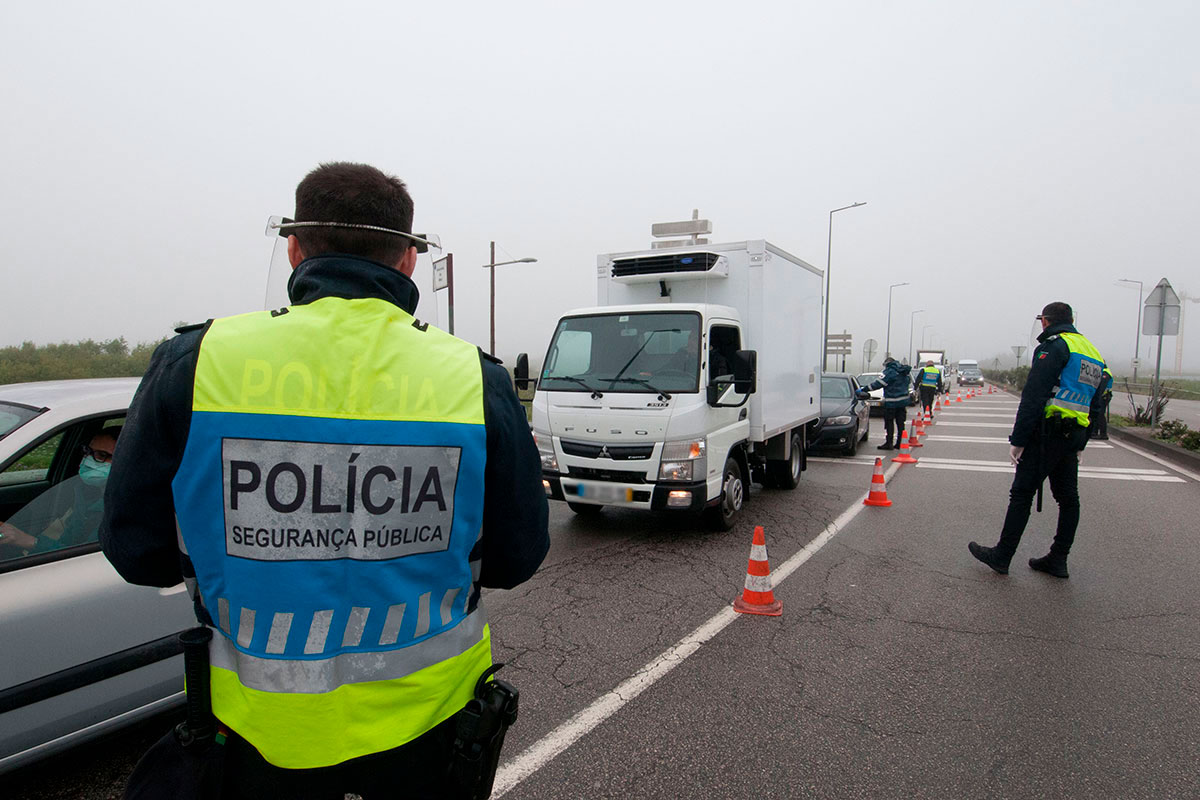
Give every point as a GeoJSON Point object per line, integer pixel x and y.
{"type": "Point", "coordinates": [900, 667]}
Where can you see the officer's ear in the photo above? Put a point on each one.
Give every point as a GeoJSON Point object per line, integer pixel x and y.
{"type": "Point", "coordinates": [408, 262]}
{"type": "Point", "coordinates": [295, 254]}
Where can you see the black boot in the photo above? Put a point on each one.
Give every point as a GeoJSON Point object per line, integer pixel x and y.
{"type": "Point", "coordinates": [886, 446]}
{"type": "Point", "coordinates": [1051, 565]}
{"type": "Point", "coordinates": [989, 556]}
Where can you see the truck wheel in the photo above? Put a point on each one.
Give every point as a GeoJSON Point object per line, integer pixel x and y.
{"type": "Point", "coordinates": [585, 509]}
{"type": "Point", "coordinates": [786, 474]}
{"type": "Point", "coordinates": [722, 516]}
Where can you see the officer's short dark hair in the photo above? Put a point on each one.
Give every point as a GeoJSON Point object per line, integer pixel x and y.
{"type": "Point", "coordinates": [358, 193]}
{"type": "Point", "coordinates": [1058, 313]}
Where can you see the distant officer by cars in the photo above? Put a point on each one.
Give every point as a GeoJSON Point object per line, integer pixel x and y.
{"type": "Point", "coordinates": [1099, 426]}
{"type": "Point", "coordinates": [929, 383]}
{"type": "Point", "coordinates": [1061, 394]}
{"type": "Point", "coordinates": [896, 397]}
{"type": "Point", "coordinates": [335, 480]}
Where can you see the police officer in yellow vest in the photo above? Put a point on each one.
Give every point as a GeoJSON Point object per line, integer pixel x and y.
{"type": "Point", "coordinates": [929, 384]}
{"type": "Point", "coordinates": [335, 481]}
{"type": "Point", "coordinates": [1061, 393]}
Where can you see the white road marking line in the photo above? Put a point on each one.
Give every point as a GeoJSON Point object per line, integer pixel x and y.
{"type": "Point", "coordinates": [1007, 464]}
{"type": "Point", "coordinates": [870, 462]}
{"type": "Point", "coordinates": [1158, 460]}
{"type": "Point", "coordinates": [976, 414]}
{"type": "Point", "coordinates": [974, 424]}
{"type": "Point", "coordinates": [995, 440]}
{"type": "Point", "coordinates": [558, 740]}
{"type": "Point", "coordinates": [1084, 472]}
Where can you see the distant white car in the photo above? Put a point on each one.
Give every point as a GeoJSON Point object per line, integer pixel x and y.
{"type": "Point", "coordinates": [82, 653]}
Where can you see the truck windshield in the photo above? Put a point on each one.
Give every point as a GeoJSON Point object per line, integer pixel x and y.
{"type": "Point", "coordinates": [644, 352]}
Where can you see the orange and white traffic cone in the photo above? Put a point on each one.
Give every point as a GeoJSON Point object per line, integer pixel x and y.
{"type": "Point", "coordinates": [958, 399]}
{"type": "Point", "coordinates": [906, 456]}
{"type": "Point", "coordinates": [758, 596]}
{"type": "Point", "coordinates": [928, 417]}
{"type": "Point", "coordinates": [918, 429]}
{"type": "Point", "coordinates": [878, 494]}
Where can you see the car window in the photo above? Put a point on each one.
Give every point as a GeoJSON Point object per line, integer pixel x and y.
{"type": "Point", "coordinates": [65, 512]}
{"type": "Point", "coordinates": [14, 415]}
{"type": "Point", "coordinates": [33, 465]}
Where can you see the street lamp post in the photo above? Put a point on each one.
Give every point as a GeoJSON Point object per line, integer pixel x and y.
{"type": "Point", "coordinates": [887, 347]}
{"type": "Point", "coordinates": [491, 266]}
{"type": "Point", "coordinates": [828, 257]}
{"type": "Point", "coordinates": [912, 318]}
{"type": "Point", "coordinates": [925, 328]}
{"type": "Point", "coordinates": [1137, 342]}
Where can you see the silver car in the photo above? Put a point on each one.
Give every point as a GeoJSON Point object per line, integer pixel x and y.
{"type": "Point", "coordinates": [82, 653]}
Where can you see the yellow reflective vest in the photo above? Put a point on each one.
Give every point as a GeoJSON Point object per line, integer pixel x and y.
{"type": "Point", "coordinates": [329, 498]}
{"type": "Point", "coordinates": [1078, 382]}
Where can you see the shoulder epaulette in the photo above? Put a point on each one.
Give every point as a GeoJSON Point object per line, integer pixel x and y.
{"type": "Point", "coordinates": [195, 327]}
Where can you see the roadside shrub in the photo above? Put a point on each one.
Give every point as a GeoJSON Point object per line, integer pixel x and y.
{"type": "Point", "coordinates": [1015, 377]}
{"type": "Point", "coordinates": [1190, 440]}
{"type": "Point", "coordinates": [1143, 414]}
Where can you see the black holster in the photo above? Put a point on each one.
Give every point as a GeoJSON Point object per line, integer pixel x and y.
{"type": "Point", "coordinates": [200, 725]}
{"type": "Point", "coordinates": [479, 736]}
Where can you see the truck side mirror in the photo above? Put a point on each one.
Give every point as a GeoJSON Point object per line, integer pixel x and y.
{"type": "Point", "coordinates": [745, 381]}
{"type": "Point", "coordinates": [521, 373]}
{"type": "Point", "coordinates": [745, 371]}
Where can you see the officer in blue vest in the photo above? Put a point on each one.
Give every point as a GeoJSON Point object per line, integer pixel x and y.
{"type": "Point", "coordinates": [1062, 392]}
{"type": "Point", "coordinates": [335, 481]}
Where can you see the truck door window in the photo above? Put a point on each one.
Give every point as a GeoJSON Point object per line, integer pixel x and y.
{"type": "Point", "coordinates": [723, 342]}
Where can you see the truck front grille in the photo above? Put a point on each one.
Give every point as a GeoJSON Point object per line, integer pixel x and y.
{"type": "Point", "coordinates": [617, 452]}
{"type": "Point", "coordinates": [612, 475]}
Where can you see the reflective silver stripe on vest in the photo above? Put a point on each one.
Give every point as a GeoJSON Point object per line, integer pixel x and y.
{"type": "Point", "coordinates": [246, 627]}
{"type": "Point", "coordinates": [281, 625]}
{"type": "Point", "coordinates": [223, 614]}
{"type": "Point", "coordinates": [318, 632]}
{"type": "Point", "coordinates": [314, 676]}
{"type": "Point", "coordinates": [355, 626]}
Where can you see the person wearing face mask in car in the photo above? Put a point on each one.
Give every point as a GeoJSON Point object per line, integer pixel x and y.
{"type": "Point", "coordinates": [82, 520]}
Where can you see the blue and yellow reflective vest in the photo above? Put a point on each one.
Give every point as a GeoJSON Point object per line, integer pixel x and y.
{"type": "Point", "coordinates": [329, 498]}
{"type": "Point", "coordinates": [931, 376]}
{"type": "Point", "coordinates": [1078, 382]}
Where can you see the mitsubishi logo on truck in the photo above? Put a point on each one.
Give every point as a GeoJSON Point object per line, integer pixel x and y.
{"type": "Point", "coordinates": [604, 452]}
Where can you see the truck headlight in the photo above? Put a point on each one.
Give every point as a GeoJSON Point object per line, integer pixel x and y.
{"type": "Point", "coordinates": [838, 420]}
{"type": "Point", "coordinates": [683, 460]}
{"type": "Point", "coordinates": [545, 446]}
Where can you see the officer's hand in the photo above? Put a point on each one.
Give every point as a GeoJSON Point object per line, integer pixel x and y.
{"type": "Point", "coordinates": [862, 395]}
{"type": "Point", "coordinates": [1014, 454]}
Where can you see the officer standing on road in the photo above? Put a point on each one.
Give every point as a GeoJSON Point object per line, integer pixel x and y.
{"type": "Point", "coordinates": [1060, 394]}
{"type": "Point", "coordinates": [929, 384]}
{"type": "Point", "coordinates": [895, 385]}
{"type": "Point", "coordinates": [345, 479]}
{"type": "Point", "coordinates": [1099, 426]}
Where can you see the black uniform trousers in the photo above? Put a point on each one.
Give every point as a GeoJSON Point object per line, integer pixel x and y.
{"type": "Point", "coordinates": [893, 420]}
{"type": "Point", "coordinates": [927, 395]}
{"type": "Point", "coordinates": [1054, 455]}
{"type": "Point", "coordinates": [415, 770]}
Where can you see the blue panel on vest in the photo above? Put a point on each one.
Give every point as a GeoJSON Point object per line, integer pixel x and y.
{"type": "Point", "coordinates": [388, 530]}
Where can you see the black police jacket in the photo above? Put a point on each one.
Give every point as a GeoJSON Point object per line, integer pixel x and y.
{"type": "Point", "coordinates": [137, 533]}
{"type": "Point", "coordinates": [1049, 358]}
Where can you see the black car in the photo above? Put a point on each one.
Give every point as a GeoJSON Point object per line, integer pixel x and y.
{"type": "Point", "coordinates": [970, 377]}
{"type": "Point", "coordinates": [845, 420]}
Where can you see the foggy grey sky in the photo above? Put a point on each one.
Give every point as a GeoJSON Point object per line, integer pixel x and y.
{"type": "Point", "coordinates": [1010, 154]}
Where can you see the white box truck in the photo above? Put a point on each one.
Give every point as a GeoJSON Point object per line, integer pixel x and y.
{"type": "Point", "coordinates": [698, 371]}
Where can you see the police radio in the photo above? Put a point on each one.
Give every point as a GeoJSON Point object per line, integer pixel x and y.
{"type": "Point", "coordinates": [479, 735]}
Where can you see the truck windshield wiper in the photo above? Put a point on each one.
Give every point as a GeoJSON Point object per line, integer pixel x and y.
{"type": "Point", "coordinates": [595, 392]}
{"type": "Point", "coordinates": [647, 384]}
